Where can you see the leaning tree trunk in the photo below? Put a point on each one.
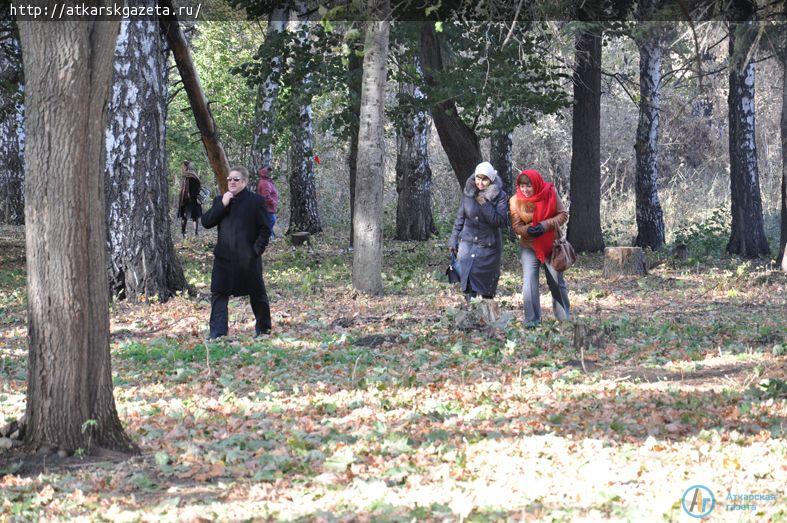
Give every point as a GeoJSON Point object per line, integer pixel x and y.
{"type": "Point", "coordinates": [267, 91]}
{"type": "Point", "coordinates": [368, 243]}
{"type": "Point", "coordinates": [747, 237]}
{"type": "Point", "coordinates": [197, 99]}
{"type": "Point", "coordinates": [414, 176]}
{"type": "Point", "coordinates": [783, 235]}
{"type": "Point", "coordinates": [142, 259]}
{"type": "Point", "coordinates": [68, 71]}
{"type": "Point", "coordinates": [650, 218]}
{"type": "Point", "coordinates": [459, 141]}
{"type": "Point", "coordinates": [355, 69]}
{"type": "Point", "coordinates": [12, 202]}
{"type": "Point", "coordinates": [584, 227]}
{"type": "Point", "coordinates": [304, 214]}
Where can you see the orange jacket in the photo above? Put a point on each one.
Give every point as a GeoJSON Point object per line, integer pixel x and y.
{"type": "Point", "coordinates": [522, 217]}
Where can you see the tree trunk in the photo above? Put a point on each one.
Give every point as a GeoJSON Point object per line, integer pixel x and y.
{"type": "Point", "coordinates": [414, 176]}
{"type": "Point", "coordinates": [355, 67]}
{"type": "Point", "coordinates": [368, 225]}
{"type": "Point", "coordinates": [304, 214]}
{"type": "Point", "coordinates": [783, 235]}
{"type": "Point", "coordinates": [584, 227]}
{"type": "Point", "coordinates": [650, 218]}
{"type": "Point", "coordinates": [624, 261]}
{"type": "Point", "coordinates": [68, 70]}
{"type": "Point", "coordinates": [747, 237]}
{"type": "Point", "coordinates": [459, 141]}
{"type": "Point", "coordinates": [12, 201]}
{"type": "Point", "coordinates": [264, 109]}
{"type": "Point", "coordinates": [197, 100]}
{"type": "Point", "coordinates": [142, 259]}
{"type": "Point", "coordinates": [501, 159]}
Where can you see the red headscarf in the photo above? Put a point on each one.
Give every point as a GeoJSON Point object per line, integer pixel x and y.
{"type": "Point", "coordinates": [545, 199]}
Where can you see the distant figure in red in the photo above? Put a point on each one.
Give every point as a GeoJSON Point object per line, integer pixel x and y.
{"type": "Point", "coordinates": [189, 207]}
{"type": "Point", "coordinates": [267, 190]}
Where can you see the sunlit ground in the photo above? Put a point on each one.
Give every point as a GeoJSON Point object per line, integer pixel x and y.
{"type": "Point", "coordinates": [322, 421]}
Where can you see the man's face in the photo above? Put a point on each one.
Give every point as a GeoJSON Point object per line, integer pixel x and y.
{"type": "Point", "coordinates": [236, 182]}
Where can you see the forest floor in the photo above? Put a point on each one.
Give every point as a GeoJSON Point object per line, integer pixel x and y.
{"type": "Point", "coordinates": [324, 421]}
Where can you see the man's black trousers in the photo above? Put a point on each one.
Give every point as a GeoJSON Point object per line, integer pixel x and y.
{"type": "Point", "coordinates": [219, 318]}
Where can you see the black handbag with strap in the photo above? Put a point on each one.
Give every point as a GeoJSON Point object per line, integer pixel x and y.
{"type": "Point", "coordinates": [452, 272]}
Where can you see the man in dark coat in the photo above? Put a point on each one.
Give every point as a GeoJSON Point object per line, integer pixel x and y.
{"type": "Point", "coordinates": [244, 230]}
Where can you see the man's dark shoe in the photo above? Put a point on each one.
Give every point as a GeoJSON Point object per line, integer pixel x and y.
{"type": "Point", "coordinates": [215, 336]}
{"type": "Point", "coordinates": [262, 333]}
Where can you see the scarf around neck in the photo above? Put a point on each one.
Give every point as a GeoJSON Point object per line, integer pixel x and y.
{"type": "Point", "coordinates": [545, 200]}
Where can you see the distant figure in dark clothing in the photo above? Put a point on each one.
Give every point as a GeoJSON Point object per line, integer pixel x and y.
{"type": "Point", "coordinates": [267, 190]}
{"type": "Point", "coordinates": [189, 207]}
{"type": "Point", "coordinates": [244, 231]}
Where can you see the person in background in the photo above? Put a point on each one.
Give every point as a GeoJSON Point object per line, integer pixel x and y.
{"type": "Point", "coordinates": [537, 214]}
{"type": "Point", "coordinates": [189, 207]}
{"type": "Point", "coordinates": [267, 190]}
{"type": "Point", "coordinates": [476, 239]}
{"type": "Point", "coordinates": [244, 232]}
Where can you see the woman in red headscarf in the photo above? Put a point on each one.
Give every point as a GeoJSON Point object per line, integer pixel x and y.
{"type": "Point", "coordinates": [537, 213]}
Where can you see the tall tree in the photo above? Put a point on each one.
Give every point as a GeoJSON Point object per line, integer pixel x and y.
{"type": "Point", "coordinates": [584, 227]}
{"type": "Point", "coordinates": [413, 175]}
{"type": "Point", "coordinates": [304, 213]}
{"type": "Point", "coordinates": [500, 156]}
{"type": "Point", "coordinates": [68, 71]}
{"type": "Point", "coordinates": [12, 203]}
{"type": "Point", "coordinates": [368, 226]}
{"type": "Point", "coordinates": [650, 217]}
{"type": "Point", "coordinates": [783, 235]}
{"type": "Point", "coordinates": [747, 237]}
{"type": "Point", "coordinates": [267, 91]}
{"type": "Point", "coordinates": [142, 259]}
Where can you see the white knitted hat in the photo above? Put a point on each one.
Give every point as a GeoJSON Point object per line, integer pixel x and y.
{"type": "Point", "coordinates": [487, 170]}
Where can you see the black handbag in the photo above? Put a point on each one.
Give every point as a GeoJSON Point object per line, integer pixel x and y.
{"type": "Point", "coordinates": [452, 272]}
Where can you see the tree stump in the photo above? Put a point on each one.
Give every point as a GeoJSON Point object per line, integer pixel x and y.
{"type": "Point", "coordinates": [299, 238]}
{"type": "Point", "coordinates": [624, 261]}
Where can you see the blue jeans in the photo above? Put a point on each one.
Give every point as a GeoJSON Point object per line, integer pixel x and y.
{"type": "Point", "coordinates": [273, 222]}
{"type": "Point", "coordinates": [530, 293]}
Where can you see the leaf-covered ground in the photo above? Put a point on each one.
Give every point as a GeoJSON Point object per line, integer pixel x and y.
{"type": "Point", "coordinates": [324, 421]}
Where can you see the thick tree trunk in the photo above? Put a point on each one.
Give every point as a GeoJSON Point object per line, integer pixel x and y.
{"type": "Point", "coordinates": [368, 225]}
{"type": "Point", "coordinates": [142, 259]}
{"type": "Point", "coordinates": [747, 237]}
{"type": "Point", "coordinates": [783, 235]}
{"type": "Point", "coordinates": [264, 108]}
{"type": "Point", "coordinates": [414, 176]}
{"type": "Point", "coordinates": [68, 71]}
{"type": "Point", "coordinates": [355, 67]}
{"type": "Point", "coordinates": [650, 218]}
{"type": "Point", "coordinates": [304, 214]}
{"type": "Point", "coordinates": [459, 141]}
{"type": "Point", "coordinates": [197, 100]}
{"type": "Point", "coordinates": [584, 227]}
{"type": "Point", "coordinates": [12, 201]}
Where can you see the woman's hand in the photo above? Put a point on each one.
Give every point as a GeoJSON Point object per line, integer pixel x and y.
{"type": "Point", "coordinates": [536, 230]}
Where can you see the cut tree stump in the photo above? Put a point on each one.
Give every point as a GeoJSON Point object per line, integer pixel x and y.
{"type": "Point", "coordinates": [624, 261]}
{"type": "Point", "coordinates": [299, 238]}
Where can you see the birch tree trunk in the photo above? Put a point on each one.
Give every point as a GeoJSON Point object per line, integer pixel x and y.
{"type": "Point", "coordinates": [747, 237]}
{"type": "Point", "coordinates": [650, 217]}
{"type": "Point", "coordinates": [584, 227]}
{"type": "Point", "coordinates": [142, 259]}
{"type": "Point", "coordinates": [304, 214]}
{"type": "Point", "coordinates": [12, 134]}
{"type": "Point", "coordinates": [783, 235]}
{"type": "Point", "coordinates": [68, 70]}
{"type": "Point", "coordinates": [265, 106]}
{"type": "Point", "coordinates": [414, 176]}
{"type": "Point", "coordinates": [368, 224]}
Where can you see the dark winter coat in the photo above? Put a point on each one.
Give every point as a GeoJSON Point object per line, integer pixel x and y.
{"type": "Point", "coordinates": [477, 236]}
{"type": "Point", "coordinates": [189, 206]}
{"type": "Point", "coordinates": [244, 230]}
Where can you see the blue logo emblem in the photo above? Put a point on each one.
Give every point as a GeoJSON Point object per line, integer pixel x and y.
{"type": "Point", "coordinates": [698, 501]}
